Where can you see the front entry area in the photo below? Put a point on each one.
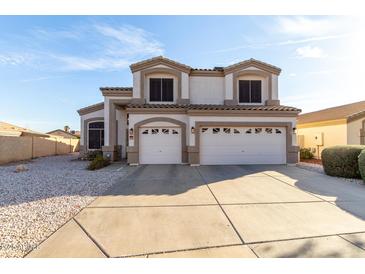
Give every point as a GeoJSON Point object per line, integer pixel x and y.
{"type": "Point", "coordinates": [242, 145]}
{"type": "Point", "coordinates": [160, 145]}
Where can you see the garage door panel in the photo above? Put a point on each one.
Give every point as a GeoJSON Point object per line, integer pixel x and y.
{"type": "Point", "coordinates": [267, 146]}
{"type": "Point", "coordinates": [160, 146]}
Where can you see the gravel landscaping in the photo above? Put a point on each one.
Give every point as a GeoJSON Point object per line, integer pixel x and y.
{"type": "Point", "coordinates": [36, 202]}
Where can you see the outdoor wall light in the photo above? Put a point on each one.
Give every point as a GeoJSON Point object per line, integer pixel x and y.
{"type": "Point", "coordinates": [192, 130]}
{"type": "Point", "coordinates": [294, 130]}
{"type": "Point", "coordinates": [131, 131]}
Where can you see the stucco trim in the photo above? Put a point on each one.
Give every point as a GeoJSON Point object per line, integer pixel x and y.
{"type": "Point", "coordinates": [362, 133]}
{"type": "Point", "coordinates": [86, 130]}
{"type": "Point", "coordinates": [90, 109]}
{"type": "Point", "coordinates": [252, 63]}
{"type": "Point", "coordinates": [133, 151]}
{"type": "Point", "coordinates": [291, 151]}
{"type": "Point", "coordinates": [159, 60]}
{"type": "Point", "coordinates": [260, 73]}
{"type": "Point", "coordinates": [206, 73]}
{"type": "Point", "coordinates": [169, 71]}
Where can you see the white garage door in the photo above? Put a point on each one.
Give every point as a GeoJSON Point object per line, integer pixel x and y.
{"type": "Point", "coordinates": [242, 145]}
{"type": "Point", "coordinates": [160, 145]}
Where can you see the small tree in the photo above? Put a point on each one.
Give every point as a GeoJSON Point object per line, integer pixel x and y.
{"type": "Point", "coordinates": [66, 128]}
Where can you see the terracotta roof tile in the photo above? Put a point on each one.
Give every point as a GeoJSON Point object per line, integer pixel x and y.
{"type": "Point", "coordinates": [213, 107]}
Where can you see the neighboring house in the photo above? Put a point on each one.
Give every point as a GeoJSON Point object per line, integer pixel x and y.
{"type": "Point", "coordinates": [175, 114]}
{"type": "Point", "coordinates": [7, 129]}
{"type": "Point", "coordinates": [341, 125]}
{"type": "Point", "coordinates": [63, 133]}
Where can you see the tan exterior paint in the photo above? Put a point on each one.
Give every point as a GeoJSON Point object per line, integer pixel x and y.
{"type": "Point", "coordinates": [291, 151]}
{"type": "Point", "coordinates": [335, 134]}
{"type": "Point", "coordinates": [362, 133]}
{"type": "Point", "coordinates": [322, 123]}
{"type": "Point", "coordinates": [133, 151]}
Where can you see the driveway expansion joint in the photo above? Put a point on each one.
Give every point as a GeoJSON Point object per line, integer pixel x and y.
{"type": "Point", "coordinates": [92, 239]}
{"type": "Point", "coordinates": [225, 214]}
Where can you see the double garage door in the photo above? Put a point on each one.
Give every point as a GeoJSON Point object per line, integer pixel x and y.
{"type": "Point", "coordinates": [218, 145]}
{"type": "Point", "coordinates": [242, 145]}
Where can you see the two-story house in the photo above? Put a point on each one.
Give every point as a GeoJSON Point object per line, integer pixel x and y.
{"type": "Point", "coordinates": [175, 114]}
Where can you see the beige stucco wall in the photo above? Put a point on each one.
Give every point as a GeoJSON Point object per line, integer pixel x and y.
{"type": "Point", "coordinates": [353, 132]}
{"type": "Point", "coordinates": [24, 148]}
{"type": "Point", "coordinates": [332, 135]}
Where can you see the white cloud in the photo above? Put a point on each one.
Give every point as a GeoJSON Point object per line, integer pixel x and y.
{"type": "Point", "coordinates": [310, 52]}
{"type": "Point", "coordinates": [101, 47]}
{"type": "Point", "coordinates": [131, 40]}
{"type": "Point", "coordinates": [310, 26]}
{"type": "Point", "coordinates": [15, 59]}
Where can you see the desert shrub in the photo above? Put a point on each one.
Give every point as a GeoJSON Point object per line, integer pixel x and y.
{"type": "Point", "coordinates": [361, 163]}
{"type": "Point", "coordinates": [98, 162]}
{"type": "Point", "coordinates": [305, 153]}
{"type": "Point", "coordinates": [90, 155]}
{"type": "Point", "coordinates": [342, 161]}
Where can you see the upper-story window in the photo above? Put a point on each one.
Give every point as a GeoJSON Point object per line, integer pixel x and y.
{"type": "Point", "coordinates": [249, 91]}
{"type": "Point", "coordinates": [161, 90]}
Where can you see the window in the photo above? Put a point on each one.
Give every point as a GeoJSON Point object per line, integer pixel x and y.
{"type": "Point", "coordinates": [268, 130]}
{"type": "Point", "coordinates": [227, 130]}
{"type": "Point", "coordinates": [204, 129]}
{"type": "Point", "coordinates": [175, 131]}
{"type": "Point", "coordinates": [96, 135]}
{"type": "Point", "coordinates": [258, 130]}
{"type": "Point", "coordinates": [216, 130]}
{"type": "Point", "coordinates": [154, 131]}
{"type": "Point", "coordinates": [249, 131]}
{"type": "Point", "coordinates": [249, 91]}
{"type": "Point", "coordinates": [277, 131]}
{"type": "Point", "coordinates": [161, 90]}
{"type": "Point", "coordinates": [236, 131]}
{"type": "Point", "coordinates": [145, 131]}
{"type": "Point", "coordinates": [165, 131]}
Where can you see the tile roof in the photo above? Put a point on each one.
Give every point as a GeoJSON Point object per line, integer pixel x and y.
{"type": "Point", "coordinates": [213, 107]}
{"type": "Point", "coordinates": [117, 88]}
{"type": "Point", "coordinates": [348, 111]}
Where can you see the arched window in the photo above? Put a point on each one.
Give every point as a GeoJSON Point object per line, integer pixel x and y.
{"type": "Point", "coordinates": [96, 135]}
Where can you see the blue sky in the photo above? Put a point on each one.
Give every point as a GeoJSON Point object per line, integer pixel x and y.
{"type": "Point", "coordinates": [50, 66]}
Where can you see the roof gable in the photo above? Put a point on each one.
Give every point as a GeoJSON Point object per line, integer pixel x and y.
{"type": "Point", "coordinates": [159, 60]}
{"type": "Point", "coordinates": [252, 63]}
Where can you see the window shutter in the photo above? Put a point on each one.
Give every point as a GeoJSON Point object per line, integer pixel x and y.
{"type": "Point", "coordinates": [255, 91]}
{"type": "Point", "coordinates": [244, 91]}
{"type": "Point", "coordinates": [155, 89]}
{"type": "Point", "coordinates": [167, 90]}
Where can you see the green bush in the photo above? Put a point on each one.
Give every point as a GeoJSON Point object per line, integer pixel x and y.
{"type": "Point", "coordinates": [361, 162]}
{"type": "Point", "coordinates": [342, 161]}
{"type": "Point", "coordinates": [90, 155]}
{"type": "Point", "coordinates": [305, 153]}
{"type": "Point", "coordinates": [98, 162]}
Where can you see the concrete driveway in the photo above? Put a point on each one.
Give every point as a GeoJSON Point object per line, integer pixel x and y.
{"type": "Point", "coordinates": [217, 211]}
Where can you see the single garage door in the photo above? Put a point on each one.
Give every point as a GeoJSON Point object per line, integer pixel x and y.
{"type": "Point", "coordinates": [160, 145]}
{"type": "Point", "coordinates": [242, 145]}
